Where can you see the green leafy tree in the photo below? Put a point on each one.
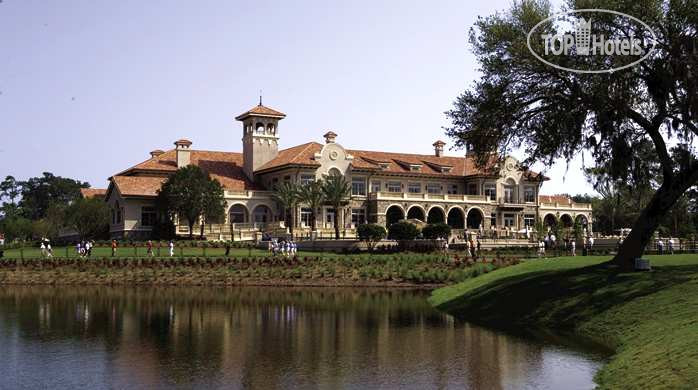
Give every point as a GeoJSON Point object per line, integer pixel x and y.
{"type": "Point", "coordinates": [312, 195]}
{"type": "Point", "coordinates": [39, 193]}
{"type": "Point", "coordinates": [10, 188]}
{"type": "Point", "coordinates": [192, 194]}
{"type": "Point", "coordinates": [89, 218]}
{"type": "Point", "coordinates": [550, 114]}
{"type": "Point", "coordinates": [371, 234]}
{"type": "Point", "coordinates": [16, 228]}
{"type": "Point", "coordinates": [287, 194]}
{"type": "Point", "coordinates": [336, 190]}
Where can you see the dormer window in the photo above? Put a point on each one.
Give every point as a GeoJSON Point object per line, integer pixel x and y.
{"type": "Point", "coordinates": [446, 169]}
{"type": "Point", "coordinates": [415, 167]}
{"type": "Point", "coordinates": [384, 165]}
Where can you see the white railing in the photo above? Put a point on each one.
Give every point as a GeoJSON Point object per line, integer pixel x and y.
{"type": "Point", "coordinates": [428, 196]}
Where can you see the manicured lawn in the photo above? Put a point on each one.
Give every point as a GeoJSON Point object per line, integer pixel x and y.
{"type": "Point", "coordinates": [650, 319]}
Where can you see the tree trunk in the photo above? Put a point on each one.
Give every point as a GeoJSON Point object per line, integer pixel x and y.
{"type": "Point", "coordinates": [291, 220]}
{"type": "Point", "coordinates": [336, 222]}
{"type": "Point", "coordinates": [191, 230]}
{"type": "Point", "coordinates": [634, 245]}
{"type": "Point", "coordinates": [201, 232]}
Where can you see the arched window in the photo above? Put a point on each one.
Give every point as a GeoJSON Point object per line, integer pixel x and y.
{"type": "Point", "coordinates": [334, 172]}
{"type": "Point", "coordinates": [259, 128]}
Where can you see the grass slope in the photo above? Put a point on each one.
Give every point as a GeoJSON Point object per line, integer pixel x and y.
{"type": "Point", "coordinates": [650, 319]}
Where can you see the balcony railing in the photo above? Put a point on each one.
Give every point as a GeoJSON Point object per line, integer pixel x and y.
{"type": "Point", "coordinates": [428, 196]}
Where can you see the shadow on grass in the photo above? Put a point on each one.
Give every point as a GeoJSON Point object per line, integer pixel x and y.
{"type": "Point", "coordinates": [561, 298]}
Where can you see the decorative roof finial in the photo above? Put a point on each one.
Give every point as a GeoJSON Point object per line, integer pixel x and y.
{"type": "Point", "coordinates": [260, 97]}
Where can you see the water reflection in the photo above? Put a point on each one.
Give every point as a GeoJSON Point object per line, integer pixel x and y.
{"type": "Point", "coordinates": [262, 338]}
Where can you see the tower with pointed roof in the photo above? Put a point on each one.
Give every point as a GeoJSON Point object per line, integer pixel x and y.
{"type": "Point", "coordinates": [260, 136]}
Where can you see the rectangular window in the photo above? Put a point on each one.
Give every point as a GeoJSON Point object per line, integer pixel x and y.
{"type": "Point", "coordinates": [509, 194]}
{"type": "Point", "coordinates": [491, 191]}
{"type": "Point", "coordinates": [529, 194]}
{"type": "Point", "coordinates": [433, 188]}
{"type": "Point", "coordinates": [287, 178]}
{"type": "Point", "coordinates": [306, 217]}
{"type": "Point", "coordinates": [307, 179]}
{"type": "Point", "coordinates": [493, 219]}
{"type": "Point", "coordinates": [472, 188]}
{"type": "Point", "coordinates": [414, 188]}
{"type": "Point", "coordinates": [358, 217]}
{"type": "Point", "coordinates": [529, 220]}
{"type": "Point", "coordinates": [148, 216]}
{"type": "Point", "coordinates": [508, 220]}
{"type": "Point", "coordinates": [454, 189]}
{"type": "Point", "coordinates": [394, 186]}
{"type": "Point", "coordinates": [375, 186]}
{"type": "Point", "coordinates": [358, 186]}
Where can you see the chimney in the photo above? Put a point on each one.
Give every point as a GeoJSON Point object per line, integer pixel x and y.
{"type": "Point", "coordinates": [183, 153]}
{"type": "Point", "coordinates": [329, 137]}
{"type": "Point", "coordinates": [439, 148]}
{"type": "Point", "coordinates": [156, 153]}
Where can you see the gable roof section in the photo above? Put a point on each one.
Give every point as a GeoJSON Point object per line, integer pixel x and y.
{"type": "Point", "coordinates": [225, 167]}
{"type": "Point", "coordinates": [298, 155]}
{"type": "Point", "coordinates": [88, 193]}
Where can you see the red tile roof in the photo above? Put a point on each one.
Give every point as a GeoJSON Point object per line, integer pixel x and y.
{"type": "Point", "coordinates": [225, 167]}
{"type": "Point", "coordinates": [92, 192]}
{"type": "Point", "coordinates": [261, 110]}
{"type": "Point", "coordinates": [297, 155]}
{"type": "Point", "coordinates": [147, 186]}
{"type": "Point", "coordinates": [561, 199]}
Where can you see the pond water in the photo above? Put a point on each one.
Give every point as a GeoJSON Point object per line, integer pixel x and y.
{"type": "Point", "coordinates": [264, 338]}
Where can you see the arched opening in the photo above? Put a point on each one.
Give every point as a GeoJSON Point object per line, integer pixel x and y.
{"type": "Point", "coordinates": [550, 220]}
{"type": "Point", "coordinates": [270, 129]}
{"type": "Point", "coordinates": [416, 212]}
{"type": "Point", "coordinates": [393, 214]}
{"type": "Point", "coordinates": [262, 214]}
{"type": "Point", "coordinates": [334, 172]}
{"type": "Point", "coordinates": [436, 215]}
{"type": "Point", "coordinates": [238, 214]}
{"type": "Point", "coordinates": [456, 219]}
{"type": "Point", "coordinates": [566, 220]}
{"type": "Point", "coordinates": [259, 128]}
{"type": "Point", "coordinates": [474, 219]}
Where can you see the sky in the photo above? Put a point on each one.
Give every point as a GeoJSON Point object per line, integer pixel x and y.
{"type": "Point", "coordinates": [89, 88]}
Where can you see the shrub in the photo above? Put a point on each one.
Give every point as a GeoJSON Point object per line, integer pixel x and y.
{"type": "Point", "coordinates": [371, 234]}
{"type": "Point", "coordinates": [402, 231]}
{"type": "Point", "coordinates": [436, 230]}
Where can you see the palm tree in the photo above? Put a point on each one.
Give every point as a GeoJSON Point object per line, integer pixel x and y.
{"type": "Point", "coordinates": [287, 194]}
{"type": "Point", "coordinates": [336, 190]}
{"type": "Point", "coordinates": [312, 195]}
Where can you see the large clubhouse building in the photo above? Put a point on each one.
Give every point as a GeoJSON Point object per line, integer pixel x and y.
{"type": "Point", "coordinates": [385, 187]}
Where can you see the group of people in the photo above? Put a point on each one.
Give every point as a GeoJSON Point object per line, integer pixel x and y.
{"type": "Point", "coordinates": [570, 244]}
{"type": "Point", "coordinates": [670, 246]}
{"type": "Point", "coordinates": [46, 250]}
{"type": "Point", "coordinates": [84, 248]}
{"type": "Point", "coordinates": [283, 247]}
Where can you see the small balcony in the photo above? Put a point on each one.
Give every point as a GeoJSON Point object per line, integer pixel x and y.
{"type": "Point", "coordinates": [454, 198]}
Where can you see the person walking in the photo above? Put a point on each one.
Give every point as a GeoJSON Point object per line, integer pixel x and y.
{"type": "Point", "coordinates": [150, 248]}
{"type": "Point", "coordinates": [49, 250]}
{"type": "Point", "coordinates": [660, 247]}
{"type": "Point", "coordinates": [43, 249]}
{"type": "Point", "coordinates": [171, 246]}
{"type": "Point", "coordinates": [573, 247]}
{"type": "Point", "coordinates": [113, 248]}
{"type": "Point", "coordinates": [671, 245]}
